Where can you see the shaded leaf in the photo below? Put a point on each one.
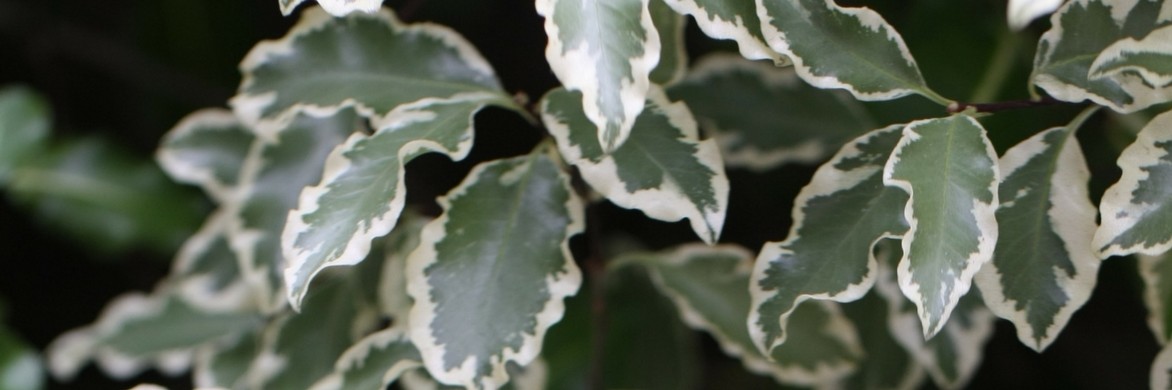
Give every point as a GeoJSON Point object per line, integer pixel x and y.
{"type": "Point", "coordinates": [1043, 267]}
{"type": "Point", "coordinates": [1161, 372]}
{"type": "Point", "coordinates": [1136, 211]}
{"type": "Point", "coordinates": [20, 366]}
{"type": "Point", "coordinates": [838, 217]}
{"type": "Point", "coordinates": [673, 56]}
{"type": "Point", "coordinates": [498, 255]}
{"type": "Point", "coordinates": [362, 192]}
{"type": "Point", "coordinates": [605, 50]}
{"type": "Point", "coordinates": [373, 362]}
{"type": "Point", "coordinates": [842, 48]}
{"type": "Point", "coordinates": [24, 128]}
{"type": "Point", "coordinates": [663, 170]}
{"type": "Point", "coordinates": [1156, 272]}
{"type": "Point", "coordinates": [731, 19]}
{"type": "Point", "coordinates": [886, 364]}
{"type": "Point", "coordinates": [206, 148]}
{"type": "Point", "coordinates": [1079, 32]}
{"type": "Point", "coordinates": [949, 170]}
{"type": "Point", "coordinates": [281, 162]}
{"type": "Point", "coordinates": [371, 62]}
{"type": "Point", "coordinates": [334, 7]}
{"type": "Point", "coordinates": [1150, 58]}
{"type": "Point", "coordinates": [790, 121]}
{"type": "Point", "coordinates": [224, 364]}
{"type": "Point", "coordinates": [707, 284]}
{"type": "Point", "coordinates": [531, 377]}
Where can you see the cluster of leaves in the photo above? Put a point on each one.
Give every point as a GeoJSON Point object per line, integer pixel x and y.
{"type": "Point", "coordinates": [312, 271]}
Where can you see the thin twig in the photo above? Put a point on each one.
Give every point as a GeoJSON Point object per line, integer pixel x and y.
{"type": "Point", "coordinates": [1002, 106]}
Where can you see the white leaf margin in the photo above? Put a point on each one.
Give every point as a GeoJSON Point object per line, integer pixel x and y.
{"type": "Point", "coordinates": [249, 108]}
{"type": "Point", "coordinates": [1159, 41]}
{"type": "Point", "coordinates": [984, 214]}
{"type": "Point", "coordinates": [577, 71]}
{"type": "Point", "coordinates": [182, 170]}
{"type": "Point", "coordinates": [423, 311]}
{"type": "Point", "coordinates": [712, 25]}
{"type": "Point", "coordinates": [335, 7]}
{"type": "Point", "coordinates": [1117, 199]}
{"type": "Point", "coordinates": [1021, 12]}
{"type": "Point", "coordinates": [354, 357]}
{"type": "Point", "coordinates": [826, 181]}
{"type": "Point", "coordinates": [1073, 218]}
{"type": "Point", "coordinates": [1154, 284]}
{"type": "Point", "coordinates": [337, 165]}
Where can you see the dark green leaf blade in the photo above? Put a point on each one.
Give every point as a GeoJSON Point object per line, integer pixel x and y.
{"type": "Point", "coordinates": [1136, 211]}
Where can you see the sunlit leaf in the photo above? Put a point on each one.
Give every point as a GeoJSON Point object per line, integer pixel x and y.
{"type": "Point", "coordinates": [790, 121]}
{"type": "Point", "coordinates": [1022, 12]}
{"type": "Point", "coordinates": [1156, 272]}
{"type": "Point", "coordinates": [1136, 211]}
{"type": "Point", "coordinates": [838, 217]}
{"type": "Point", "coordinates": [606, 50]}
{"type": "Point", "coordinates": [1044, 267]}
{"type": "Point", "coordinates": [949, 170]}
{"type": "Point", "coordinates": [498, 255]}
{"type": "Point", "coordinates": [664, 169]}
{"type": "Point", "coordinates": [334, 7]}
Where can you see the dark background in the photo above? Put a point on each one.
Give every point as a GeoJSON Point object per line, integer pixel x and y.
{"type": "Point", "coordinates": [128, 70]}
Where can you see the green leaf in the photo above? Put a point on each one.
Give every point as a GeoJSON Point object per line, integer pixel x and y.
{"type": "Point", "coordinates": [707, 284]}
{"type": "Point", "coordinates": [673, 56]}
{"type": "Point", "coordinates": [106, 197]}
{"type": "Point", "coordinates": [298, 349]}
{"type": "Point", "coordinates": [531, 377]}
{"type": "Point", "coordinates": [1022, 12]}
{"type": "Point", "coordinates": [1136, 210]}
{"type": "Point", "coordinates": [206, 272]}
{"type": "Point", "coordinates": [949, 170]}
{"type": "Point", "coordinates": [1083, 30]}
{"type": "Point", "coordinates": [362, 192]}
{"type": "Point", "coordinates": [371, 62]}
{"type": "Point", "coordinates": [206, 148]}
{"type": "Point", "coordinates": [791, 121]}
{"type": "Point", "coordinates": [334, 7]}
{"type": "Point", "coordinates": [24, 127]}
{"type": "Point", "coordinates": [1161, 372]}
{"type": "Point", "coordinates": [392, 283]}
{"type": "Point", "coordinates": [1150, 58]}
{"type": "Point", "coordinates": [499, 254]}
{"type": "Point", "coordinates": [1043, 267]}
{"type": "Point", "coordinates": [136, 330]}
{"type": "Point", "coordinates": [886, 365]}
{"type": "Point", "coordinates": [842, 48]}
{"type": "Point", "coordinates": [373, 363]}
{"type": "Point", "coordinates": [20, 367]}
{"type": "Point", "coordinates": [606, 50]}
{"type": "Point", "coordinates": [224, 364]}
{"type": "Point", "coordinates": [1156, 272]}
{"type": "Point", "coordinates": [838, 217]}
{"type": "Point", "coordinates": [953, 356]}
{"type": "Point", "coordinates": [731, 19]}
{"type": "Point", "coordinates": [279, 164]}
{"type": "Point", "coordinates": [663, 170]}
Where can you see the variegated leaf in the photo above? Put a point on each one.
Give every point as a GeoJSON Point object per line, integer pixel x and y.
{"type": "Point", "coordinates": [136, 331]}
{"type": "Point", "coordinates": [1022, 12]}
{"type": "Point", "coordinates": [838, 218]}
{"type": "Point", "coordinates": [206, 273]}
{"type": "Point", "coordinates": [886, 365]}
{"type": "Point", "coordinates": [334, 7]}
{"type": "Point", "coordinates": [708, 284]}
{"type": "Point", "coordinates": [606, 50]}
{"type": "Point", "coordinates": [362, 193]}
{"type": "Point", "coordinates": [371, 62]}
{"type": "Point", "coordinates": [224, 364]}
{"type": "Point", "coordinates": [949, 170]}
{"type": "Point", "coordinates": [1156, 272]}
{"type": "Point", "coordinates": [282, 161]}
{"type": "Point", "coordinates": [663, 170]}
{"type": "Point", "coordinates": [531, 377]}
{"type": "Point", "coordinates": [206, 148]}
{"type": "Point", "coordinates": [373, 362]}
{"type": "Point", "coordinates": [1083, 30]}
{"type": "Point", "coordinates": [1044, 267]}
{"type": "Point", "coordinates": [392, 282]}
{"type": "Point", "coordinates": [299, 349]}
{"type": "Point", "coordinates": [1150, 58]}
{"type": "Point", "coordinates": [1136, 211]}
{"type": "Point", "coordinates": [791, 121]}
{"type": "Point", "coordinates": [1161, 372]}
{"type": "Point", "coordinates": [24, 127]}
{"type": "Point", "coordinates": [20, 364]}
{"type": "Point", "coordinates": [499, 255]}
{"type": "Point", "coordinates": [673, 56]}
{"type": "Point", "coordinates": [731, 19]}
{"type": "Point", "coordinates": [843, 48]}
{"type": "Point", "coordinates": [952, 357]}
